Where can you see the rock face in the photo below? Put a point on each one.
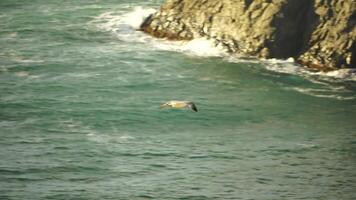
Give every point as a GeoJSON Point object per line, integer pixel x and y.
{"type": "Point", "coordinates": [318, 33]}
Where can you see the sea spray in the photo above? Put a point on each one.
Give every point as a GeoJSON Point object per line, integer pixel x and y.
{"type": "Point", "coordinates": [135, 18]}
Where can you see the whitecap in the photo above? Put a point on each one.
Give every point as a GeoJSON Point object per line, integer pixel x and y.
{"type": "Point", "coordinates": [322, 93]}
{"type": "Point", "coordinates": [22, 74]}
{"type": "Point", "coordinates": [24, 60]}
{"type": "Point", "coordinates": [96, 138]}
{"type": "Point", "coordinates": [126, 137]}
{"type": "Point", "coordinates": [106, 138]}
{"type": "Point", "coordinates": [34, 76]}
{"type": "Point", "coordinates": [306, 145]}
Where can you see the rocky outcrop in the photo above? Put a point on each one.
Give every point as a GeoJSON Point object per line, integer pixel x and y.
{"type": "Point", "coordinates": [318, 33]}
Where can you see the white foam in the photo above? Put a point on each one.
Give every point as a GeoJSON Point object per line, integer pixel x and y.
{"type": "Point", "coordinates": [306, 145]}
{"type": "Point", "coordinates": [108, 138]}
{"type": "Point", "coordinates": [198, 47]}
{"type": "Point", "coordinates": [107, 21]}
{"type": "Point", "coordinates": [349, 74]}
{"type": "Point", "coordinates": [122, 22]}
{"type": "Point", "coordinates": [325, 84]}
{"type": "Point", "coordinates": [135, 18]}
{"type": "Point", "coordinates": [126, 137]}
{"type": "Point", "coordinates": [284, 66]}
{"type": "Point", "coordinates": [125, 25]}
{"type": "Point", "coordinates": [202, 47]}
{"type": "Point", "coordinates": [332, 93]}
{"type": "Point", "coordinates": [289, 66]}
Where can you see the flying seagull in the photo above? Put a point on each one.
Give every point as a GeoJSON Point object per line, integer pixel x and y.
{"type": "Point", "coordinates": [180, 104]}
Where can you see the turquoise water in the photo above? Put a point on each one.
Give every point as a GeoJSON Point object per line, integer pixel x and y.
{"type": "Point", "coordinates": [79, 114]}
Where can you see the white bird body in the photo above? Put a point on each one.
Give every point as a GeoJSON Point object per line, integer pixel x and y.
{"type": "Point", "coordinates": [180, 104]}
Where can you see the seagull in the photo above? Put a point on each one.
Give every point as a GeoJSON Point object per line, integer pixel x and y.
{"type": "Point", "coordinates": [180, 104]}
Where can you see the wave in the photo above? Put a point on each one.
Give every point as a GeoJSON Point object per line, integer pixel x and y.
{"type": "Point", "coordinates": [198, 47]}
{"type": "Point", "coordinates": [348, 74]}
{"type": "Point", "coordinates": [135, 18]}
{"type": "Point", "coordinates": [125, 27]}
{"type": "Point", "coordinates": [122, 22]}
{"type": "Point", "coordinates": [24, 74]}
{"type": "Point", "coordinates": [323, 93]}
{"type": "Point", "coordinates": [290, 67]}
{"type": "Point", "coordinates": [106, 139]}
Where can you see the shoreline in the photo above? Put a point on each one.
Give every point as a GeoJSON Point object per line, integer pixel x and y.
{"type": "Point", "coordinates": [280, 30]}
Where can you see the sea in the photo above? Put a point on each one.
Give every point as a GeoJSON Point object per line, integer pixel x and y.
{"type": "Point", "coordinates": [80, 116]}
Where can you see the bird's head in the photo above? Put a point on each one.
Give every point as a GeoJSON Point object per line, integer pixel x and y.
{"type": "Point", "coordinates": [164, 105]}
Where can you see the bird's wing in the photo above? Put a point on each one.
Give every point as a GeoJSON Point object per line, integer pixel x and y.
{"type": "Point", "coordinates": [193, 107]}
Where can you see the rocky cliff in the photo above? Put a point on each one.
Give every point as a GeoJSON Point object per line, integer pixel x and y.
{"type": "Point", "coordinates": [317, 33]}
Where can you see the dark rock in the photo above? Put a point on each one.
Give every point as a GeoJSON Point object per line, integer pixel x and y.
{"type": "Point", "coordinates": [318, 33]}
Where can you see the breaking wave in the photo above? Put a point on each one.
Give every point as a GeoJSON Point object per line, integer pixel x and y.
{"type": "Point", "coordinates": [125, 27]}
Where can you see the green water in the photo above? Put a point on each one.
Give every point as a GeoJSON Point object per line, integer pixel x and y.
{"type": "Point", "coordinates": [80, 116]}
